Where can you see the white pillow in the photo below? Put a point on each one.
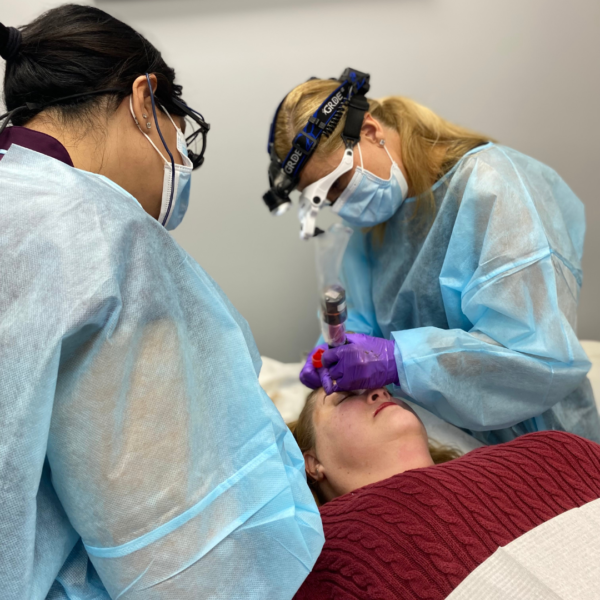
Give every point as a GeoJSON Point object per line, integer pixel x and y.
{"type": "Point", "coordinates": [592, 349]}
{"type": "Point", "coordinates": [280, 381]}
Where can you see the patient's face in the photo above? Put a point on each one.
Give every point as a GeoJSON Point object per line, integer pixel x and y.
{"type": "Point", "coordinates": [366, 436]}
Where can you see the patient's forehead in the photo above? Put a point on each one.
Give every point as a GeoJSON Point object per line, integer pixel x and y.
{"type": "Point", "coordinates": [318, 399]}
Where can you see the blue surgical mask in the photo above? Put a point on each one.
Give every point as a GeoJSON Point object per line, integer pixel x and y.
{"type": "Point", "coordinates": [369, 200]}
{"type": "Point", "coordinates": [171, 216]}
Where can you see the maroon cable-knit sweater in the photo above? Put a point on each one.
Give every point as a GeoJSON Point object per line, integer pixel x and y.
{"type": "Point", "coordinates": [419, 534]}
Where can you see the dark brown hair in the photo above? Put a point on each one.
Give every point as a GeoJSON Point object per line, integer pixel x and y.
{"type": "Point", "coordinates": [74, 49]}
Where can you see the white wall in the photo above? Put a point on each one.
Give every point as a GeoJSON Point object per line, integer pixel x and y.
{"type": "Point", "coordinates": [524, 71]}
{"type": "Point", "coordinates": [15, 14]}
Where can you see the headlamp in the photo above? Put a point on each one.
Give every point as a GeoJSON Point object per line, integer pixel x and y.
{"type": "Point", "coordinates": [284, 174]}
{"type": "Point", "coordinates": [277, 198]}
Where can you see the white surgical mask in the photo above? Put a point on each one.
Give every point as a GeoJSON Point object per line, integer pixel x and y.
{"type": "Point", "coordinates": [172, 211]}
{"type": "Point", "coordinates": [369, 200]}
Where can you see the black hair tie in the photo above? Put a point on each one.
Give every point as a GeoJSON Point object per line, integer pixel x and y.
{"type": "Point", "coordinates": [10, 42]}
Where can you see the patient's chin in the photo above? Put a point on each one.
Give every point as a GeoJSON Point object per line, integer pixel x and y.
{"type": "Point", "coordinates": [403, 420]}
{"type": "Point", "coordinates": [403, 404]}
{"type": "Point", "coordinates": [408, 408]}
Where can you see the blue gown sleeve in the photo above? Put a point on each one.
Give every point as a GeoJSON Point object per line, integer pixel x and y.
{"type": "Point", "coordinates": [510, 284]}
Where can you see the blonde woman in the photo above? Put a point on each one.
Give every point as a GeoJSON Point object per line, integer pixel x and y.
{"type": "Point", "coordinates": [464, 271]}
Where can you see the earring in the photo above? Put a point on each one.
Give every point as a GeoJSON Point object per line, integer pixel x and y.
{"type": "Point", "coordinates": [145, 116]}
{"type": "Point", "coordinates": [382, 143]}
{"type": "Point", "coordinates": [149, 125]}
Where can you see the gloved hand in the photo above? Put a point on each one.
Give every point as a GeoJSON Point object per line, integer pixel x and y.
{"type": "Point", "coordinates": [366, 362]}
{"type": "Point", "coordinates": [309, 375]}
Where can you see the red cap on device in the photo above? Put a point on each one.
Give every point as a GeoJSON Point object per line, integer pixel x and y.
{"type": "Point", "coordinates": [316, 358]}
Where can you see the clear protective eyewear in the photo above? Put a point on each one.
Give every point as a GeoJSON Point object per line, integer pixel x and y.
{"type": "Point", "coordinates": [196, 140]}
{"type": "Point", "coordinates": [314, 196]}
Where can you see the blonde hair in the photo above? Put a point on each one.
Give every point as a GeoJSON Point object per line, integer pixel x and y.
{"type": "Point", "coordinates": [303, 430]}
{"type": "Point", "coordinates": [430, 145]}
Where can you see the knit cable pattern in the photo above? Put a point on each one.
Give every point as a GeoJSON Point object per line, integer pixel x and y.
{"type": "Point", "coordinates": [417, 535]}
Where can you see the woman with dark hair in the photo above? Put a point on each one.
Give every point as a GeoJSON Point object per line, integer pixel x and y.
{"type": "Point", "coordinates": [139, 457]}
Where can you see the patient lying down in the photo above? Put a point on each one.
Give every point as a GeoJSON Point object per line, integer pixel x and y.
{"type": "Point", "coordinates": [405, 518]}
{"type": "Point", "coordinates": [352, 439]}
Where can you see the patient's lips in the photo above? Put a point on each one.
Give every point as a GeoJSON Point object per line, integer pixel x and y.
{"type": "Point", "coordinates": [382, 406]}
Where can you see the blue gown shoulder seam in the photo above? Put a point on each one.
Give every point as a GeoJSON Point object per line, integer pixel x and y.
{"type": "Point", "coordinates": [515, 267]}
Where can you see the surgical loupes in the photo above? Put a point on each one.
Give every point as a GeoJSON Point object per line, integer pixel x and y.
{"type": "Point", "coordinates": [314, 196]}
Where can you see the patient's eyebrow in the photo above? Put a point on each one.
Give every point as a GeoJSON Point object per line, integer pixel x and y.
{"type": "Point", "coordinates": [326, 395]}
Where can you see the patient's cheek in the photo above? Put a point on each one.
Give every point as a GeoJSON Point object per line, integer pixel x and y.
{"type": "Point", "coordinates": [347, 431]}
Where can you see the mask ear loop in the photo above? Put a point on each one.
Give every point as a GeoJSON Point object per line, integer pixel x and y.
{"type": "Point", "coordinates": [184, 157]}
{"type": "Point", "coordinates": [403, 184]}
{"type": "Point", "coordinates": [162, 139]}
{"type": "Point", "coordinates": [177, 128]}
{"type": "Point", "coordinates": [143, 132]}
{"type": "Point", "coordinates": [387, 152]}
{"type": "Point", "coordinates": [360, 154]}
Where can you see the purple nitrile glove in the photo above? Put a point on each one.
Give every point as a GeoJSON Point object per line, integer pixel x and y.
{"type": "Point", "coordinates": [366, 362]}
{"type": "Point", "coordinates": [309, 375]}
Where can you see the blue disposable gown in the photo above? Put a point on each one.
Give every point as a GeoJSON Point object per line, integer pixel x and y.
{"type": "Point", "coordinates": [482, 300]}
{"type": "Point", "coordinates": [139, 457]}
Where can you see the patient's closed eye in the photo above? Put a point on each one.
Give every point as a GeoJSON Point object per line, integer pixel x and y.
{"type": "Point", "coordinates": [346, 395]}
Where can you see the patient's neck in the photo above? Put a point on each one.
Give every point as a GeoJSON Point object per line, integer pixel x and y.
{"type": "Point", "coordinates": [393, 459]}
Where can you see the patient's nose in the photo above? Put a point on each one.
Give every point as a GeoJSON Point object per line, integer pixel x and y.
{"type": "Point", "coordinates": [378, 395]}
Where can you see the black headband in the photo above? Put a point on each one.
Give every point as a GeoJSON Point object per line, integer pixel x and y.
{"type": "Point", "coordinates": [10, 42]}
